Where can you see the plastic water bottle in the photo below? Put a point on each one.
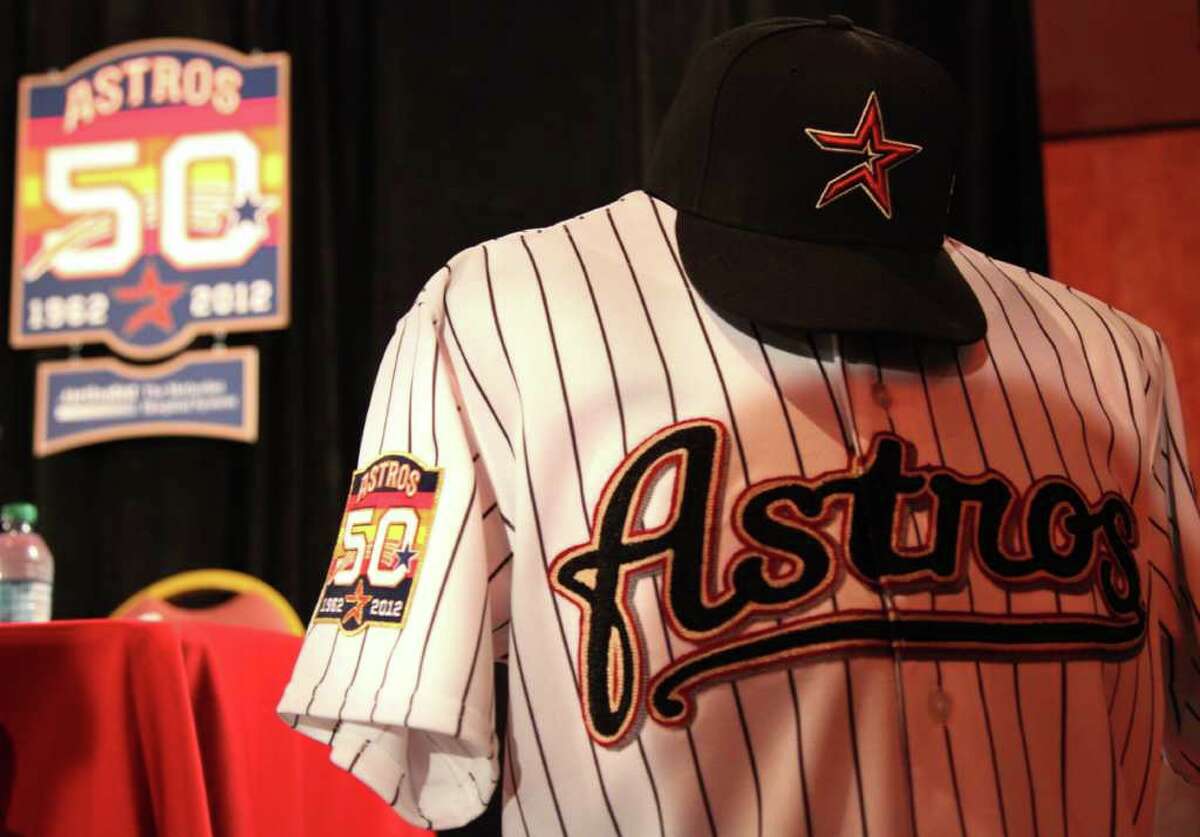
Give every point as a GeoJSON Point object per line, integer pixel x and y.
{"type": "Point", "coordinates": [26, 566]}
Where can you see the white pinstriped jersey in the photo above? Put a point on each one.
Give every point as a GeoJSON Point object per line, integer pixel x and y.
{"type": "Point", "coordinates": [837, 585]}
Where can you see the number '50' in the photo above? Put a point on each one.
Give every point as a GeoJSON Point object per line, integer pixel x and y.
{"type": "Point", "coordinates": [357, 544]}
{"type": "Point", "coordinates": [177, 245]}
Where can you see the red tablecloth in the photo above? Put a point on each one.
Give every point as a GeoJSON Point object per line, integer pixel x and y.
{"type": "Point", "coordinates": [129, 728]}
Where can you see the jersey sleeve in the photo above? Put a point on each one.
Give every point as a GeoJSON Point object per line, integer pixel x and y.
{"type": "Point", "coordinates": [1178, 571]}
{"type": "Point", "coordinates": [395, 671]}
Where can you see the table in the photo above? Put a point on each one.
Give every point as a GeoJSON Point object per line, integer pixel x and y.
{"type": "Point", "coordinates": [140, 728]}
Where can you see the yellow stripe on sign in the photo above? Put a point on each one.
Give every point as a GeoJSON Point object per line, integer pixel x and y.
{"type": "Point", "coordinates": [141, 179]}
{"type": "Point", "coordinates": [272, 172]}
{"type": "Point", "coordinates": [211, 171]}
{"type": "Point", "coordinates": [31, 191]}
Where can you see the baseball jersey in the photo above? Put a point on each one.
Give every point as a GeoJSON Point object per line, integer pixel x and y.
{"type": "Point", "coordinates": [755, 584]}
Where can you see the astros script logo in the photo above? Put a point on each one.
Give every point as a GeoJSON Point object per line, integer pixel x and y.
{"type": "Point", "coordinates": [799, 538]}
{"type": "Point", "coordinates": [871, 175]}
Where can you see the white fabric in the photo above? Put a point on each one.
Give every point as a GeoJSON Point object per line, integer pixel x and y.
{"type": "Point", "coordinates": [552, 354]}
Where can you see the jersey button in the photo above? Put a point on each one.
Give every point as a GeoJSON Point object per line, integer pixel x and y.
{"type": "Point", "coordinates": [939, 706]}
{"type": "Point", "coordinates": [880, 395]}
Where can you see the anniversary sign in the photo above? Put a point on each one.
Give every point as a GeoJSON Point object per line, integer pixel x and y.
{"type": "Point", "coordinates": [151, 202]}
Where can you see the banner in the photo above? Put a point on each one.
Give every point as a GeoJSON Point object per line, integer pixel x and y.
{"type": "Point", "coordinates": [151, 198]}
{"type": "Point", "coordinates": [82, 402]}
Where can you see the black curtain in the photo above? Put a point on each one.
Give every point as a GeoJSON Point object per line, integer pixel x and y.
{"type": "Point", "coordinates": [418, 130]}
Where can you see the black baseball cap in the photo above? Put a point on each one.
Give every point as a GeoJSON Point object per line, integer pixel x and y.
{"type": "Point", "coordinates": [811, 164]}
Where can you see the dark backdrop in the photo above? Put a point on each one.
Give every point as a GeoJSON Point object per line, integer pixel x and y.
{"type": "Point", "coordinates": [420, 128]}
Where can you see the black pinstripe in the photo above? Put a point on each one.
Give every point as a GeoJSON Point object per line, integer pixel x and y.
{"type": "Point", "coordinates": [888, 604]}
{"type": "Point", "coordinates": [987, 717]}
{"type": "Point", "coordinates": [962, 381]}
{"type": "Point", "coordinates": [1062, 370]}
{"type": "Point", "coordinates": [1087, 361]}
{"type": "Point", "coordinates": [1112, 777]}
{"type": "Point", "coordinates": [537, 736]}
{"type": "Point", "coordinates": [470, 371]}
{"type": "Point", "coordinates": [1133, 708]}
{"type": "Point", "coordinates": [1064, 680]}
{"type": "Point", "coordinates": [1086, 446]}
{"type": "Point", "coordinates": [637, 286]}
{"type": "Point", "coordinates": [487, 277]}
{"type": "Point", "coordinates": [333, 647]}
{"type": "Point", "coordinates": [412, 378]}
{"type": "Point", "coordinates": [1028, 367]}
{"type": "Point", "coordinates": [399, 785]}
{"type": "Point", "coordinates": [737, 698]}
{"type": "Point", "coordinates": [562, 381]}
{"type": "Point", "coordinates": [561, 632]}
{"type": "Point", "coordinates": [512, 783]}
{"type": "Point", "coordinates": [408, 447]}
{"type": "Point", "coordinates": [437, 603]}
{"type": "Point", "coordinates": [499, 566]}
{"type": "Point", "coordinates": [433, 379]}
{"type": "Point", "coordinates": [436, 461]}
{"type": "Point", "coordinates": [712, 823]}
{"type": "Point", "coordinates": [1137, 341]}
{"type": "Point", "coordinates": [612, 369]}
{"type": "Point", "coordinates": [1128, 392]}
{"type": "Point", "coordinates": [1112, 698]}
{"type": "Point", "coordinates": [583, 505]}
{"type": "Point", "coordinates": [1179, 458]}
{"type": "Point", "coordinates": [462, 705]}
{"type": "Point", "coordinates": [790, 673]}
{"type": "Point", "coordinates": [545, 563]}
{"type": "Point", "coordinates": [850, 446]}
{"type": "Point", "coordinates": [1137, 811]}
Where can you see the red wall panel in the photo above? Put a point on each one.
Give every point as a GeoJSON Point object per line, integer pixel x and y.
{"type": "Point", "coordinates": [1115, 64]}
{"type": "Point", "coordinates": [1123, 225]}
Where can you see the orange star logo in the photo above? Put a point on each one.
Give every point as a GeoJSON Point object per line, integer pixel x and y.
{"type": "Point", "coordinates": [159, 296]}
{"type": "Point", "coordinates": [359, 599]}
{"type": "Point", "coordinates": [871, 175]}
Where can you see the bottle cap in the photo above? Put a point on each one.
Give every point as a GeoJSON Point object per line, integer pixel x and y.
{"type": "Point", "coordinates": [19, 513]}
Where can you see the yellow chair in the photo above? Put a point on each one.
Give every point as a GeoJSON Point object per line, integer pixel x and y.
{"type": "Point", "coordinates": [254, 603]}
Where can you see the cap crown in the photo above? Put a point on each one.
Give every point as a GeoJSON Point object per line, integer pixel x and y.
{"type": "Point", "coordinates": [819, 131]}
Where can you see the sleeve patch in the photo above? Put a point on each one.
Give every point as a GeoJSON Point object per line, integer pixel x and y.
{"type": "Point", "coordinates": [381, 544]}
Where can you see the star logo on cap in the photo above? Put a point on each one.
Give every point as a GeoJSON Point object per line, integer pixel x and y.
{"type": "Point", "coordinates": [871, 175]}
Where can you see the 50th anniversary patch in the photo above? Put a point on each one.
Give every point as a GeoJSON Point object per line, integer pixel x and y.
{"type": "Point", "coordinates": [381, 544]}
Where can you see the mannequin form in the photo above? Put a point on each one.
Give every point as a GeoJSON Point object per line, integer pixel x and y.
{"type": "Point", "coordinates": [788, 515]}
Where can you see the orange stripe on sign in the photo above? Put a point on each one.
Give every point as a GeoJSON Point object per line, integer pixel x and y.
{"type": "Point", "coordinates": [392, 499]}
{"type": "Point", "coordinates": [31, 244]}
{"type": "Point", "coordinates": [251, 113]}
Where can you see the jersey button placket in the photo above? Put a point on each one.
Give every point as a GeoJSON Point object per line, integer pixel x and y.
{"type": "Point", "coordinates": [881, 395]}
{"type": "Point", "coordinates": [939, 703]}
{"type": "Point", "coordinates": [882, 398]}
{"type": "Point", "coordinates": [940, 706]}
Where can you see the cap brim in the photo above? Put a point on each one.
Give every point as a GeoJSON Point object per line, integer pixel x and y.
{"type": "Point", "coordinates": [790, 285]}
